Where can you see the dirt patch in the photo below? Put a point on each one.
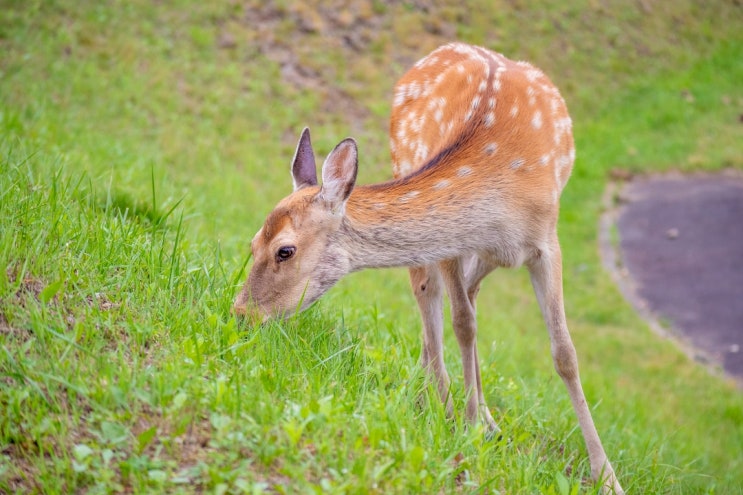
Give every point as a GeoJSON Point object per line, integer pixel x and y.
{"type": "Point", "coordinates": [335, 49]}
{"type": "Point", "coordinates": [679, 259]}
{"type": "Point", "coordinates": [29, 286]}
{"type": "Point", "coordinates": [283, 33]}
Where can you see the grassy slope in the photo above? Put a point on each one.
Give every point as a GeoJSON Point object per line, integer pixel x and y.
{"type": "Point", "coordinates": [142, 146]}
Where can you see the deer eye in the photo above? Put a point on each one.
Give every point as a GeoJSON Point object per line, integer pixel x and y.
{"type": "Point", "coordinates": [285, 252]}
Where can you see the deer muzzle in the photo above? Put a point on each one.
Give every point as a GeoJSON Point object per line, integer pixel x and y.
{"type": "Point", "coordinates": [246, 309]}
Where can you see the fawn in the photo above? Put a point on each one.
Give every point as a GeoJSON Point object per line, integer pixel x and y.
{"type": "Point", "coordinates": [482, 148]}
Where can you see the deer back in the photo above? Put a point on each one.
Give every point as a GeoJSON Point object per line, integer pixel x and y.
{"type": "Point", "coordinates": [504, 120]}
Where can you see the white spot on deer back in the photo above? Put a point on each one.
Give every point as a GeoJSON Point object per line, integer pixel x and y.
{"type": "Point", "coordinates": [427, 88]}
{"type": "Point", "coordinates": [490, 148]}
{"type": "Point", "coordinates": [399, 96]}
{"type": "Point", "coordinates": [517, 163]}
{"type": "Point", "coordinates": [563, 161]}
{"type": "Point", "coordinates": [475, 102]}
{"type": "Point", "coordinates": [408, 196]}
{"type": "Point", "coordinates": [536, 121]}
{"type": "Point", "coordinates": [449, 127]}
{"type": "Point", "coordinates": [421, 153]}
{"type": "Point", "coordinates": [558, 182]}
{"type": "Point", "coordinates": [442, 129]}
{"type": "Point", "coordinates": [414, 90]}
{"type": "Point", "coordinates": [436, 105]}
{"type": "Point", "coordinates": [417, 124]}
{"type": "Point", "coordinates": [533, 73]}
{"type": "Point", "coordinates": [562, 127]}
{"type": "Point", "coordinates": [464, 171]}
{"type": "Point", "coordinates": [554, 105]}
{"type": "Point", "coordinates": [443, 183]}
{"type": "Point", "coordinates": [403, 142]}
{"type": "Point", "coordinates": [460, 48]}
{"type": "Point", "coordinates": [405, 92]}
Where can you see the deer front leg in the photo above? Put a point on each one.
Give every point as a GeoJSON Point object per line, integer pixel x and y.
{"type": "Point", "coordinates": [465, 329]}
{"type": "Point", "coordinates": [428, 291]}
{"type": "Point", "coordinates": [546, 277]}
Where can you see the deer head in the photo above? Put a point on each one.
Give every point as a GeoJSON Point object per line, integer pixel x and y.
{"type": "Point", "coordinates": [296, 254]}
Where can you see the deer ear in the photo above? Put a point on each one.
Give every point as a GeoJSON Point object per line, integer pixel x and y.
{"type": "Point", "coordinates": [304, 172]}
{"type": "Point", "coordinates": [339, 174]}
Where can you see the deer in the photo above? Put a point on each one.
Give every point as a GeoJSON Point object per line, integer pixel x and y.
{"type": "Point", "coordinates": [481, 149]}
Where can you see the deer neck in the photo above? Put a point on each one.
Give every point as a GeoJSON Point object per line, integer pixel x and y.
{"type": "Point", "coordinates": [398, 224]}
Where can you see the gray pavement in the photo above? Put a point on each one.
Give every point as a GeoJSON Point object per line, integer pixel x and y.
{"type": "Point", "coordinates": [681, 249]}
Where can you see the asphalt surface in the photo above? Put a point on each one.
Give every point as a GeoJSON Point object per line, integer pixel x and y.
{"type": "Point", "coordinates": [681, 243]}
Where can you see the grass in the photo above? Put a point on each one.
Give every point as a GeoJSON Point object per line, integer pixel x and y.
{"type": "Point", "coordinates": [141, 146]}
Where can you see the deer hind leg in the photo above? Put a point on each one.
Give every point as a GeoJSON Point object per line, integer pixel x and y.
{"type": "Point", "coordinates": [475, 270]}
{"type": "Point", "coordinates": [428, 291]}
{"type": "Point", "coordinates": [465, 329]}
{"type": "Point", "coordinates": [546, 277]}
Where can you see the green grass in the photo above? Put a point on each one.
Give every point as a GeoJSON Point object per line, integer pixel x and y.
{"type": "Point", "coordinates": [141, 146]}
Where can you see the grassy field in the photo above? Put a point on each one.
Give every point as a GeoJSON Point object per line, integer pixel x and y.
{"type": "Point", "coordinates": [141, 146]}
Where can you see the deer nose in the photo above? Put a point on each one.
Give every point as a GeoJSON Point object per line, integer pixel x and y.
{"type": "Point", "coordinates": [248, 313]}
{"type": "Point", "coordinates": [246, 310]}
{"type": "Point", "coordinates": [240, 310]}
{"type": "Point", "coordinates": [240, 306]}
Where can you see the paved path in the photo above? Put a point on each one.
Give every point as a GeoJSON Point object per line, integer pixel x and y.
{"type": "Point", "coordinates": [681, 246]}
